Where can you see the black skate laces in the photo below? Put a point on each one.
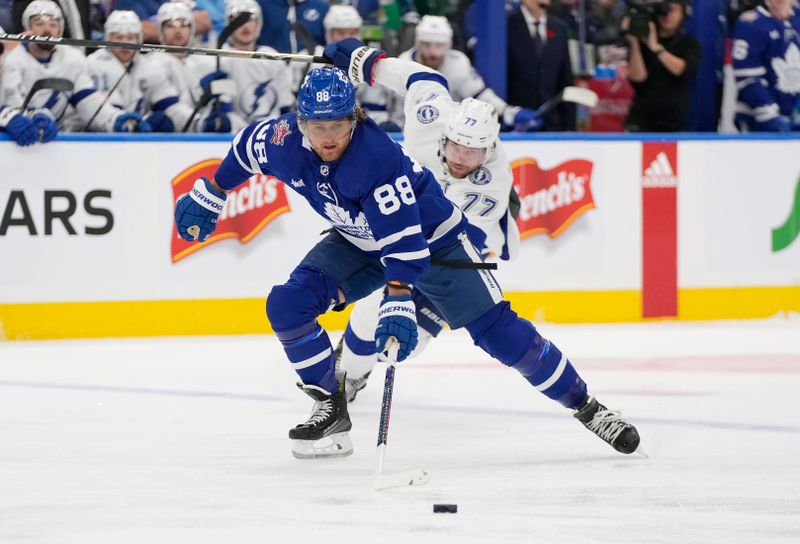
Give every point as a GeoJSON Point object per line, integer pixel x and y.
{"type": "Point", "coordinates": [607, 424]}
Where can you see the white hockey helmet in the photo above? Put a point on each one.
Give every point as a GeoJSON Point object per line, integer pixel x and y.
{"type": "Point", "coordinates": [123, 22]}
{"type": "Point", "coordinates": [235, 7]}
{"type": "Point", "coordinates": [342, 16]}
{"type": "Point", "coordinates": [474, 124]}
{"type": "Point", "coordinates": [434, 29]}
{"type": "Point", "coordinates": [173, 11]}
{"type": "Point", "coordinates": [43, 7]}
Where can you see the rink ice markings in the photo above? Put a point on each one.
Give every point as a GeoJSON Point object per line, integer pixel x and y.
{"type": "Point", "coordinates": [472, 410]}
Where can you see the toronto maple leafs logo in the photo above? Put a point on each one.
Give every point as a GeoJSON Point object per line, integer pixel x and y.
{"type": "Point", "coordinates": [481, 176]}
{"type": "Point", "coordinates": [788, 70]}
{"type": "Point", "coordinates": [340, 218]}
{"type": "Point", "coordinates": [280, 131]}
{"type": "Point", "coordinates": [427, 114]}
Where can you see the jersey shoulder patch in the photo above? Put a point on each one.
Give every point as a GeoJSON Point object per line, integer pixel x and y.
{"type": "Point", "coordinates": [480, 176]}
{"type": "Point", "coordinates": [427, 113]}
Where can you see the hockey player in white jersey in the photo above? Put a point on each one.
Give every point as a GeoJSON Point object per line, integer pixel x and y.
{"type": "Point", "coordinates": [208, 92]}
{"type": "Point", "coordinates": [17, 125]}
{"type": "Point", "coordinates": [132, 81]}
{"type": "Point", "coordinates": [71, 109]}
{"type": "Point", "coordinates": [264, 87]}
{"type": "Point", "coordinates": [459, 143]}
{"type": "Point", "coordinates": [433, 39]}
{"type": "Point", "coordinates": [343, 21]}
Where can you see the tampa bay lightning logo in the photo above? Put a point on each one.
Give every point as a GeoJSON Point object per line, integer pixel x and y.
{"type": "Point", "coordinates": [481, 176]}
{"type": "Point", "coordinates": [427, 114]}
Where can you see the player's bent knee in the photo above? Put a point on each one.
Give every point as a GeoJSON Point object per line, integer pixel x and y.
{"type": "Point", "coordinates": [308, 294]}
{"type": "Point", "coordinates": [502, 334]}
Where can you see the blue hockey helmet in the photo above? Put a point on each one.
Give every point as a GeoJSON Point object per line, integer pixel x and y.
{"type": "Point", "coordinates": [326, 94]}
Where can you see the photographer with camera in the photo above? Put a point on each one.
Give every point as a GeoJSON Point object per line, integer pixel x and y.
{"type": "Point", "coordinates": [662, 62]}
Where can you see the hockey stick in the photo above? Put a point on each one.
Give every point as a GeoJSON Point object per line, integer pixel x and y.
{"type": "Point", "coordinates": [108, 95]}
{"type": "Point", "coordinates": [398, 479]}
{"type": "Point", "coordinates": [226, 33]}
{"type": "Point", "coordinates": [103, 44]}
{"type": "Point", "coordinates": [51, 83]}
{"type": "Point", "coordinates": [575, 95]}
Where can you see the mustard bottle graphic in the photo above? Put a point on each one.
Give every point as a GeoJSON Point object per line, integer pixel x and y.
{"type": "Point", "coordinates": [783, 236]}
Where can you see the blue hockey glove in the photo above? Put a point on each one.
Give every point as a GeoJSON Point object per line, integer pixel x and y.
{"type": "Point", "coordinates": [19, 127]}
{"type": "Point", "coordinates": [217, 120]}
{"type": "Point", "coordinates": [523, 119]}
{"type": "Point", "coordinates": [160, 122]}
{"type": "Point", "coordinates": [205, 81]}
{"type": "Point", "coordinates": [45, 125]}
{"type": "Point", "coordinates": [130, 121]}
{"type": "Point", "coordinates": [197, 211]}
{"type": "Point", "coordinates": [780, 123]}
{"type": "Point", "coordinates": [397, 318]}
{"type": "Point", "coordinates": [355, 58]}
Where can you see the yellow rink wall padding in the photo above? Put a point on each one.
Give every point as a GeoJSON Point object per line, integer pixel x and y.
{"type": "Point", "coordinates": [43, 321]}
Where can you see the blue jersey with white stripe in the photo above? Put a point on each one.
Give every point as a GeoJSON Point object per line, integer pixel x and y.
{"type": "Point", "coordinates": [766, 64]}
{"type": "Point", "coordinates": [378, 198]}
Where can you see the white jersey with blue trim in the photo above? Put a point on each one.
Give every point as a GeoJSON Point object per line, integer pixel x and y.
{"type": "Point", "coordinates": [264, 87]}
{"type": "Point", "coordinates": [72, 109]}
{"type": "Point", "coordinates": [375, 196]}
{"type": "Point", "coordinates": [484, 194]}
{"type": "Point", "coordinates": [766, 64]}
{"type": "Point", "coordinates": [463, 81]}
{"type": "Point", "coordinates": [184, 75]}
{"type": "Point", "coordinates": [143, 89]}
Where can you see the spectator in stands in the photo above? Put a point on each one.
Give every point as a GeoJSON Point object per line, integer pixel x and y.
{"type": "Point", "coordinates": [216, 12]}
{"type": "Point", "coordinates": [766, 65]}
{"type": "Point", "coordinates": [539, 63]}
{"type": "Point", "coordinates": [293, 25]}
{"type": "Point", "coordinates": [147, 10]}
{"type": "Point", "coordinates": [662, 65]}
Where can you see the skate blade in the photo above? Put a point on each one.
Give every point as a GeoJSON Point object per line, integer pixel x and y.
{"type": "Point", "coordinates": [402, 479]}
{"type": "Point", "coordinates": [641, 452]}
{"type": "Point", "coordinates": [335, 445]}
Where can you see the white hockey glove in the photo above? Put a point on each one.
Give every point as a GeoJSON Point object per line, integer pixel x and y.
{"type": "Point", "coordinates": [355, 58]}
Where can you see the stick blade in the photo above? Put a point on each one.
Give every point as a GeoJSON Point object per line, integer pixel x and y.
{"type": "Point", "coordinates": [415, 477]}
{"type": "Point", "coordinates": [580, 95]}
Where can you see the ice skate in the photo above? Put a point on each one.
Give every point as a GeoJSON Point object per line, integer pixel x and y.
{"type": "Point", "coordinates": [608, 425]}
{"type": "Point", "coordinates": [324, 434]}
{"type": "Point", "coordinates": [351, 385]}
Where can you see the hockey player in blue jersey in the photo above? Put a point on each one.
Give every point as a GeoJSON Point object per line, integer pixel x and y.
{"type": "Point", "coordinates": [390, 219]}
{"type": "Point", "coordinates": [766, 65]}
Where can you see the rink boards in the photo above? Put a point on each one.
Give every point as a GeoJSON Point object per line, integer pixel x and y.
{"type": "Point", "coordinates": [614, 229]}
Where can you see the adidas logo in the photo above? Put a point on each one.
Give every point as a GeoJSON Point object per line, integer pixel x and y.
{"type": "Point", "coordinates": [659, 173]}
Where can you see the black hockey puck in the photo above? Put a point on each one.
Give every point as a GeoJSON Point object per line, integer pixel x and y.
{"type": "Point", "coordinates": [445, 508]}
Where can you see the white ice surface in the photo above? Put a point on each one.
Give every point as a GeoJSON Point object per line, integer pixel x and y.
{"type": "Point", "coordinates": [185, 441]}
